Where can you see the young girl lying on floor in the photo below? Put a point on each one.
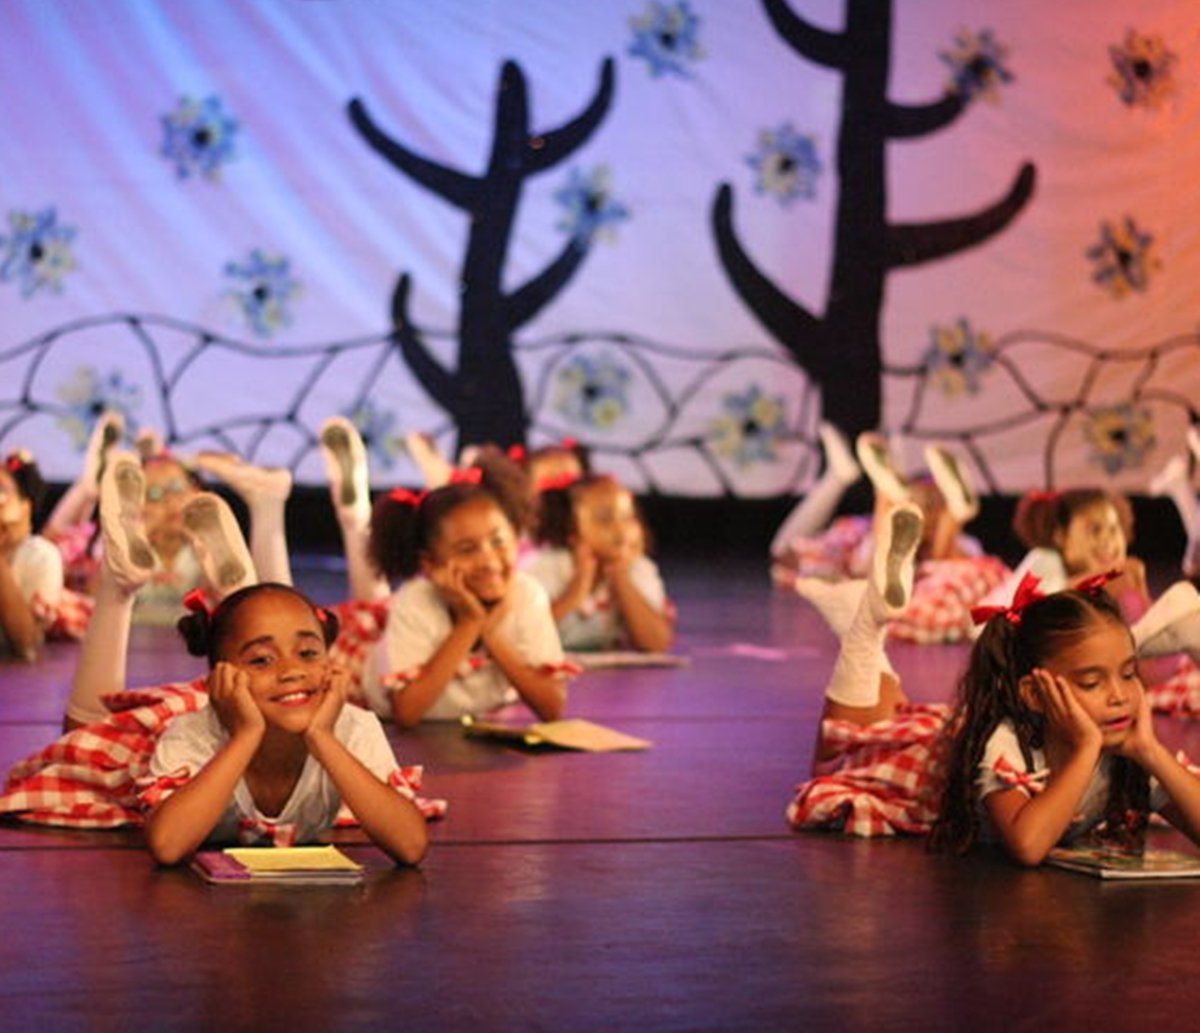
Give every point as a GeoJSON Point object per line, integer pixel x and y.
{"type": "Point", "coordinates": [262, 750]}
{"type": "Point", "coordinates": [1051, 734]}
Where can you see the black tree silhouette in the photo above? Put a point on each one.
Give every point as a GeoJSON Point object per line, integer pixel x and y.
{"type": "Point", "coordinates": [841, 350]}
{"type": "Point", "coordinates": [483, 394]}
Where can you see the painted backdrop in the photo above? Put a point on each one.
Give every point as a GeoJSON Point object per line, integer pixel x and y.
{"type": "Point", "coordinates": [681, 232]}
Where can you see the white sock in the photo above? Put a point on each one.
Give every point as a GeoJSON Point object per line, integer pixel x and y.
{"type": "Point", "coordinates": [861, 660]}
{"type": "Point", "coordinates": [268, 539]}
{"type": "Point", "coordinates": [101, 667]}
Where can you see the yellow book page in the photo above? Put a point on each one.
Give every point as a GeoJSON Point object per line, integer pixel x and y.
{"type": "Point", "coordinates": [578, 734]}
{"type": "Point", "coordinates": [293, 858]}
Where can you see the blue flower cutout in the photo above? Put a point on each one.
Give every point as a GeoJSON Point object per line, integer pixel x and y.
{"type": "Point", "coordinates": [1124, 258]}
{"type": "Point", "coordinates": [751, 427]}
{"type": "Point", "coordinates": [1119, 436]}
{"type": "Point", "coordinates": [198, 136]}
{"type": "Point", "coordinates": [592, 392]}
{"type": "Point", "coordinates": [265, 288]}
{"type": "Point", "coordinates": [376, 428]}
{"type": "Point", "coordinates": [786, 164]}
{"type": "Point", "coordinates": [977, 65]}
{"type": "Point", "coordinates": [590, 210]}
{"type": "Point", "coordinates": [36, 252]}
{"type": "Point", "coordinates": [667, 36]}
{"type": "Point", "coordinates": [88, 394]}
{"type": "Point", "coordinates": [1143, 70]}
{"type": "Point", "coordinates": [957, 357]}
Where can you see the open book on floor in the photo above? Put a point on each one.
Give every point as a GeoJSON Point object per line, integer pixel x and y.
{"type": "Point", "coordinates": [1111, 863]}
{"type": "Point", "coordinates": [294, 865]}
{"type": "Point", "coordinates": [626, 658]}
{"type": "Point", "coordinates": [571, 734]}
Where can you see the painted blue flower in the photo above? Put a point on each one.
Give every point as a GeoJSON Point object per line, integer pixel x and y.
{"type": "Point", "coordinates": [1119, 436]}
{"type": "Point", "coordinates": [786, 164]}
{"type": "Point", "coordinates": [667, 36]}
{"type": "Point", "coordinates": [36, 253]}
{"type": "Point", "coordinates": [977, 65]}
{"type": "Point", "coordinates": [957, 357]}
{"type": "Point", "coordinates": [198, 136]}
{"type": "Point", "coordinates": [1123, 258]}
{"type": "Point", "coordinates": [591, 391]}
{"type": "Point", "coordinates": [751, 427]}
{"type": "Point", "coordinates": [1143, 72]}
{"type": "Point", "coordinates": [88, 394]}
{"type": "Point", "coordinates": [376, 428]}
{"type": "Point", "coordinates": [265, 287]}
{"type": "Point", "coordinates": [589, 208]}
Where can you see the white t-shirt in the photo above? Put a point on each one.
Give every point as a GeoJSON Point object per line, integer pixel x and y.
{"type": "Point", "coordinates": [192, 740]}
{"type": "Point", "coordinates": [597, 623]}
{"type": "Point", "coordinates": [1003, 767]}
{"type": "Point", "coordinates": [37, 568]}
{"type": "Point", "coordinates": [419, 622]}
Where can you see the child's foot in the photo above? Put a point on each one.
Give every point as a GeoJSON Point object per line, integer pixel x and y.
{"type": "Point", "coordinates": [106, 435]}
{"type": "Point", "coordinates": [1173, 475]}
{"type": "Point", "coordinates": [876, 461]}
{"type": "Point", "coordinates": [127, 551]}
{"type": "Point", "coordinates": [248, 480]}
{"type": "Point", "coordinates": [839, 460]}
{"type": "Point", "coordinates": [897, 536]}
{"type": "Point", "coordinates": [1172, 624]}
{"type": "Point", "coordinates": [836, 601]}
{"type": "Point", "coordinates": [218, 542]}
{"type": "Point", "coordinates": [346, 467]}
{"type": "Point", "coordinates": [434, 467]}
{"type": "Point", "coordinates": [952, 481]}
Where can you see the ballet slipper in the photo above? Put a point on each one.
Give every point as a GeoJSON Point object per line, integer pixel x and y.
{"type": "Point", "coordinates": [127, 551]}
{"type": "Point", "coordinates": [839, 460]}
{"type": "Point", "coordinates": [106, 435]}
{"type": "Point", "coordinates": [434, 467]}
{"type": "Point", "coordinates": [248, 480]}
{"type": "Point", "coordinates": [218, 543]}
{"type": "Point", "coordinates": [876, 460]}
{"type": "Point", "coordinates": [897, 536]}
{"type": "Point", "coordinates": [346, 467]}
{"type": "Point", "coordinates": [1171, 625]}
{"type": "Point", "coordinates": [953, 482]}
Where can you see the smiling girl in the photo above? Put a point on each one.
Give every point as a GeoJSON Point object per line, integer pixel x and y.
{"type": "Point", "coordinates": [466, 631]}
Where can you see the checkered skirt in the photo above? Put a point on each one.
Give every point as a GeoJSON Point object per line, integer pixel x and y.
{"type": "Point", "coordinates": [880, 780]}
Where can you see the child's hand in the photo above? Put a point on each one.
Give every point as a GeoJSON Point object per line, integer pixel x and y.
{"type": "Point", "coordinates": [451, 582]}
{"type": "Point", "coordinates": [1066, 720]}
{"type": "Point", "coordinates": [229, 693]}
{"type": "Point", "coordinates": [337, 686]}
{"type": "Point", "coordinates": [1142, 739]}
{"type": "Point", "coordinates": [586, 562]}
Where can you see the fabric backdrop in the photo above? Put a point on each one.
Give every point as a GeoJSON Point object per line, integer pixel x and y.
{"type": "Point", "coordinates": [679, 232]}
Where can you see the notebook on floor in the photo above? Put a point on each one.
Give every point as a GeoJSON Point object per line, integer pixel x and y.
{"type": "Point", "coordinates": [571, 734]}
{"type": "Point", "coordinates": [1111, 863]}
{"type": "Point", "coordinates": [296, 865]}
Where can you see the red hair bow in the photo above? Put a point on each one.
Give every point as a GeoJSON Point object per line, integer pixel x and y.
{"type": "Point", "coordinates": [197, 602]}
{"type": "Point", "coordinates": [517, 453]}
{"type": "Point", "coordinates": [18, 460]}
{"type": "Point", "coordinates": [406, 497]}
{"type": "Point", "coordinates": [558, 482]}
{"type": "Point", "coordinates": [1028, 591]}
{"type": "Point", "coordinates": [471, 476]}
{"type": "Point", "coordinates": [1094, 584]}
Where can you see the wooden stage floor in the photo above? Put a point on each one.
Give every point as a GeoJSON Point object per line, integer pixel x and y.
{"type": "Point", "coordinates": [564, 891]}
